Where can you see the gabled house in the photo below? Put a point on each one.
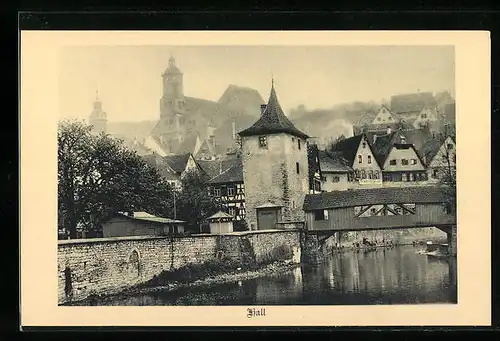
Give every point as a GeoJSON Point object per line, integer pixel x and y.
{"type": "Point", "coordinates": [228, 188]}
{"type": "Point", "coordinates": [358, 154]}
{"type": "Point", "coordinates": [384, 116]}
{"type": "Point", "coordinates": [336, 174]}
{"type": "Point", "coordinates": [440, 156]}
{"type": "Point", "coordinates": [399, 158]}
{"type": "Point", "coordinates": [173, 167]}
{"type": "Point", "coordinates": [417, 109]}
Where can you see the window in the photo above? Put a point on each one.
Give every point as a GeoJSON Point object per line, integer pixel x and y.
{"type": "Point", "coordinates": [423, 115]}
{"type": "Point", "coordinates": [413, 161]}
{"type": "Point", "coordinates": [230, 191]}
{"type": "Point", "coordinates": [223, 191]}
{"type": "Point", "coordinates": [449, 146]}
{"type": "Point", "coordinates": [369, 159]}
{"type": "Point", "coordinates": [373, 211]}
{"type": "Point", "coordinates": [360, 158]}
{"type": "Point", "coordinates": [298, 143]}
{"type": "Point", "coordinates": [376, 174]}
{"type": "Point", "coordinates": [404, 177]}
{"type": "Point", "coordinates": [364, 144]}
{"type": "Point", "coordinates": [411, 177]}
{"type": "Point", "coordinates": [363, 174]}
{"type": "Point", "coordinates": [335, 178]}
{"type": "Point", "coordinates": [217, 192]}
{"type": "Point", "coordinates": [321, 215]}
{"type": "Point", "coordinates": [434, 173]}
{"type": "Point", "coordinates": [297, 166]}
{"type": "Point", "coordinates": [293, 204]}
{"type": "Point", "coordinates": [293, 140]}
{"type": "Point", "coordinates": [379, 119]}
{"type": "Point", "coordinates": [370, 174]}
{"type": "Point", "coordinates": [392, 162]}
{"type": "Point", "coordinates": [231, 211]}
{"type": "Point", "coordinates": [404, 162]}
{"type": "Point", "coordinates": [210, 191]}
{"type": "Point", "coordinates": [390, 118]}
{"type": "Point", "coordinates": [263, 141]}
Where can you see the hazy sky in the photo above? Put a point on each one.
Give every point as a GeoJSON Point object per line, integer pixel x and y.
{"type": "Point", "coordinates": [129, 78]}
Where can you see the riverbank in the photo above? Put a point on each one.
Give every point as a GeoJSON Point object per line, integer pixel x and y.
{"type": "Point", "coordinates": [186, 278]}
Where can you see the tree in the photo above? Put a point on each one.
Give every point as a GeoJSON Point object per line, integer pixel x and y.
{"type": "Point", "coordinates": [98, 176]}
{"type": "Point", "coordinates": [193, 203]}
{"type": "Point", "coordinates": [448, 174]}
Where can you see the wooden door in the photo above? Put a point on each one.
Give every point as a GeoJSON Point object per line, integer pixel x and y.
{"type": "Point", "coordinates": [266, 219]}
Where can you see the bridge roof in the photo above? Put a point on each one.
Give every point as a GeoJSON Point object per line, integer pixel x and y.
{"type": "Point", "coordinates": [373, 196]}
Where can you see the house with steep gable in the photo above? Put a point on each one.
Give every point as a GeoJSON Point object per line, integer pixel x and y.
{"type": "Point", "coordinates": [440, 156]}
{"type": "Point", "coordinates": [400, 160]}
{"type": "Point", "coordinates": [275, 168]}
{"type": "Point", "coordinates": [173, 167]}
{"type": "Point", "coordinates": [357, 153]}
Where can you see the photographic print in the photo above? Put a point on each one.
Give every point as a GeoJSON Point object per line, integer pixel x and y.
{"type": "Point", "coordinates": [257, 176]}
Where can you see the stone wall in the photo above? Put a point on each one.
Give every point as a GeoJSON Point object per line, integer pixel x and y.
{"type": "Point", "coordinates": [103, 266]}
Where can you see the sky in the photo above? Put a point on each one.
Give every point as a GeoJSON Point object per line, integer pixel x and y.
{"type": "Point", "coordinates": [128, 78]}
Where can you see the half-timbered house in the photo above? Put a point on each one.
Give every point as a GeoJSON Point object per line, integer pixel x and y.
{"type": "Point", "coordinates": [228, 188]}
{"type": "Point", "coordinates": [439, 154]}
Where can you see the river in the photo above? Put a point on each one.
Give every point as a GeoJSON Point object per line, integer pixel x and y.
{"type": "Point", "coordinates": [398, 275]}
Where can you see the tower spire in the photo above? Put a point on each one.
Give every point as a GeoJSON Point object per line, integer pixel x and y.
{"type": "Point", "coordinates": [97, 95]}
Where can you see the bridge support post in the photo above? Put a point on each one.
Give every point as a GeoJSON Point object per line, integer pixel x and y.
{"type": "Point", "coordinates": [452, 240]}
{"type": "Point", "coordinates": [311, 251]}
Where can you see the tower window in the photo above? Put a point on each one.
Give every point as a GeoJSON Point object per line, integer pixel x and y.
{"type": "Point", "coordinates": [297, 166]}
{"type": "Point", "coordinates": [369, 159]}
{"type": "Point", "coordinates": [263, 141]}
{"type": "Point", "coordinates": [298, 143]}
{"type": "Point", "coordinates": [360, 158]}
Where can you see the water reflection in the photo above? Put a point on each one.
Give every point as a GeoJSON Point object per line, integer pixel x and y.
{"type": "Point", "coordinates": [386, 276]}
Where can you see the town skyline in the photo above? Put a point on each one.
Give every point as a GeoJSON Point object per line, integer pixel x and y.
{"type": "Point", "coordinates": [331, 75]}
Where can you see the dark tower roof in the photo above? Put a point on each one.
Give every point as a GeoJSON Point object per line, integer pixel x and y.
{"type": "Point", "coordinates": [272, 120]}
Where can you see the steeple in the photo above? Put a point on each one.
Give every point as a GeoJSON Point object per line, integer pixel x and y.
{"type": "Point", "coordinates": [273, 120]}
{"type": "Point", "coordinates": [98, 118]}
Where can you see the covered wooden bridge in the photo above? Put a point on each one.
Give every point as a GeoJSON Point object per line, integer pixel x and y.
{"type": "Point", "coordinates": [380, 208]}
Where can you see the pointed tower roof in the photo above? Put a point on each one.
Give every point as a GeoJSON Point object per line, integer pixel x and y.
{"type": "Point", "coordinates": [172, 67]}
{"type": "Point", "coordinates": [273, 120]}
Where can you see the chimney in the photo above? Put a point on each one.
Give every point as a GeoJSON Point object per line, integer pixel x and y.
{"type": "Point", "coordinates": [374, 138]}
{"type": "Point", "coordinates": [388, 130]}
{"type": "Point", "coordinates": [234, 130]}
{"type": "Point", "coordinates": [403, 139]}
{"type": "Point", "coordinates": [262, 108]}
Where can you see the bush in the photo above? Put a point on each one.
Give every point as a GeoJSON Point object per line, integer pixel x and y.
{"type": "Point", "coordinates": [192, 272]}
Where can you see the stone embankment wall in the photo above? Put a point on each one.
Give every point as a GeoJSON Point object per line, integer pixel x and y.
{"type": "Point", "coordinates": [103, 266]}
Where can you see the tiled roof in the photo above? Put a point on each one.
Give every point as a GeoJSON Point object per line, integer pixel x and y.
{"type": "Point", "coordinates": [431, 148]}
{"type": "Point", "coordinates": [418, 137]}
{"type": "Point", "coordinates": [372, 196]}
{"type": "Point", "coordinates": [149, 217]}
{"type": "Point", "coordinates": [331, 163]}
{"type": "Point", "coordinates": [348, 147]}
{"type": "Point", "coordinates": [383, 146]}
{"type": "Point", "coordinates": [449, 112]}
{"type": "Point", "coordinates": [412, 102]}
{"type": "Point", "coordinates": [215, 167]}
{"type": "Point", "coordinates": [244, 100]}
{"type": "Point", "coordinates": [233, 174]}
{"type": "Point", "coordinates": [273, 120]}
{"type": "Point", "coordinates": [177, 162]}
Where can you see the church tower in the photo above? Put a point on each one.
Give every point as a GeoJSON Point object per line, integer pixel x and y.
{"type": "Point", "coordinates": [98, 118]}
{"type": "Point", "coordinates": [172, 103]}
{"type": "Point", "coordinates": [275, 168]}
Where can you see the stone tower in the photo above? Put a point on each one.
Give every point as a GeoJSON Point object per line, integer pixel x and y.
{"type": "Point", "coordinates": [98, 118]}
{"type": "Point", "coordinates": [275, 169]}
{"type": "Point", "coordinates": [172, 105]}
